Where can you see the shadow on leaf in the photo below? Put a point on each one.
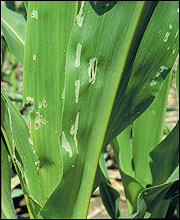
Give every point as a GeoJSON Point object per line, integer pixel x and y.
{"type": "Point", "coordinates": [101, 7]}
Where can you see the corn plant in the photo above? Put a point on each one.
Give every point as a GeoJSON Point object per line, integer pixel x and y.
{"type": "Point", "coordinates": [90, 70]}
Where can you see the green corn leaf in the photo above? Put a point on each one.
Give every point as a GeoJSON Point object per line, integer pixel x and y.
{"type": "Point", "coordinates": [7, 209]}
{"type": "Point", "coordinates": [160, 211]}
{"type": "Point", "coordinates": [165, 157]}
{"type": "Point", "coordinates": [97, 64]}
{"type": "Point", "coordinates": [146, 68]}
{"type": "Point", "coordinates": [19, 144]}
{"type": "Point", "coordinates": [124, 152]}
{"type": "Point", "coordinates": [132, 187]}
{"type": "Point", "coordinates": [138, 153]}
{"type": "Point", "coordinates": [13, 26]}
{"type": "Point", "coordinates": [3, 49]}
{"type": "Point", "coordinates": [81, 20]}
{"type": "Point", "coordinates": [82, 122]}
{"type": "Point", "coordinates": [154, 195]}
{"type": "Point", "coordinates": [101, 173]}
{"type": "Point", "coordinates": [173, 208]}
{"type": "Point", "coordinates": [110, 198]}
{"type": "Point", "coordinates": [45, 53]}
{"type": "Point", "coordinates": [109, 195]}
{"type": "Point", "coordinates": [165, 172]}
{"type": "Point", "coordinates": [145, 138]}
{"type": "Point", "coordinates": [150, 198]}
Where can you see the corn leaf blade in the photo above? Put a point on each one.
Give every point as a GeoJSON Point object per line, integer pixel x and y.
{"type": "Point", "coordinates": [7, 208]}
{"type": "Point", "coordinates": [144, 142]}
{"type": "Point", "coordinates": [45, 53]}
{"type": "Point", "coordinates": [110, 196]}
{"type": "Point", "coordinates": [144, 76]}
{"type": "Point", "coordinates": [87, 55]}
{"type": "Point", "coordinates": [165, 178]}
{"type": "Point", "coordinates": [19, 144]}
{"type": "Point", "coordinates": [86, 68]}
{"type": "Point", "coordinates": [165, 157]}
{"type": "Point", "coordinates": [13, 26]}
{"type": "Point", "coordinates": [132, 187]}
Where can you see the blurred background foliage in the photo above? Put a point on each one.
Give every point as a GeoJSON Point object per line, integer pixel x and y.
{"type": "Point", "coordinates": [11, 69]}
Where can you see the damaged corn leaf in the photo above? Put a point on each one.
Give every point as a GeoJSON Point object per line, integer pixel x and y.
{"type": "Point", "coordinates": [106, 68]}
{"type": "Point", "coordinates": [101, 63]}
{"type": "Point", "coordinates": [49, 25]}
{"type": "Point", "coordinates": [143, 70]}
{"type": "Point", "coordinates": [16, 134]}
{"type": "Point", "coordinates": [146, 67]}
{"type": "Point", "coordinates": [13, 26]}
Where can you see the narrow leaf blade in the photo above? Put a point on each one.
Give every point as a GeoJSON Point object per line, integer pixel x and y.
{"type": "Point", "coordinates": [14, 26]}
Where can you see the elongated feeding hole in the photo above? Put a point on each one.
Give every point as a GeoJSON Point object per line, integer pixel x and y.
{"type": "Point", "coordinates": [42, 120]}
{"type": "Point", "coordinates": [74, 130]}
{"type": "Point", "coordinates": [77, 85]}
{"type": "Point", "coordinates": [63, 94]}
{"type": "Point", "coordinates": [30, 99]}
{"type": "Point", "coordinates": [34, 57]}
{"type": "Point", "coordinates": [34, 14]}
{"type": "Point", "coordinates": [176, 34]}
{"type": "Point", "coordinates": [92, 70]}
{"type": "Point", "coordinates": [78, 55]}
{"type": "Point", "coordinates": [79, 16]}
{"type": "Point", "coordinates": [153, 82]}
{"type": "Point", "coordinates": [30, 141]}
{"type": "Point", "coordinates": [65, 144]}
{"type": "Point", "coordinates": [173, 50]}
{"type": "Point", "coordinates": [165, 39]}
{"type": "Point", "coordinates": [163, 68]}
{"type": "Point", "coordinates": [158, 74]}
